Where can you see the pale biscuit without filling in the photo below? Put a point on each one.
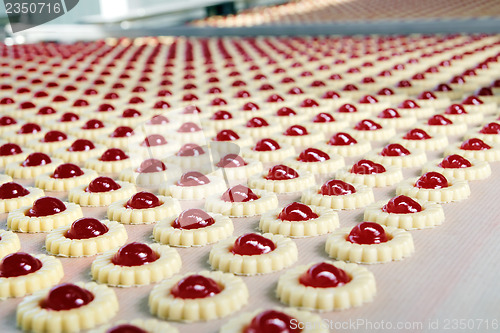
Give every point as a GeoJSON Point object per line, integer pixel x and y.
{"type": "Point", "coordinates": [57, 243]}
{"type": "Point", "coordinates": [47, 276]}
{"type": "Point", "coordinates": [312, 323]}
{"type": "Point", "coordinates": [16, 170]}
{"type": "Point", "coordinates": [457, 190]}
{"type": "Point", "coordinates": [326, 222]}
{"type": "Point", "coordinates": [9, 205]}
{"type": "Point", "coordinates": [216, 185]}
{"type": "Point", "coordinates": [32, 317]}
{"type": "Point", "coordinates": [148, 325]}
{"type": "Point", "coordinates": [79, 196]}
{"type": "Point", "coordinates": [103, 270]}
{"type": "Point", "coordinates": [9, 243]}
{"type": "Point", "coordinates": [48, 183]}
{"type": "Point", "coordinates": [398, 246]}
{"type": "Point", "coordinates": [432, 215]}
{"type": "Point", "coordinates": [391, 176]}
{"type": "Point", "coordinates": [18, 221]}
{"type": "Point", "coordinates": [232, 298]}
{"type": "Point", "coordinates": [118, 212]}
{"type": "Point", "coordinates": [284, 255]}
{"type": "Point", "coordinates": [479, 170]}
{"type": "Point", "coordinates": [361, 198]}
{"type": "Point", "coordinates": [165, 233]}
{"type": "Point", "coordinates": [361, 289]}
{"type": "Point", "coordinates": [305, 180]}
{"type": "Point", "coordinates": [357, 149]}
{"type": "Point", "coordinates": [265, 202]}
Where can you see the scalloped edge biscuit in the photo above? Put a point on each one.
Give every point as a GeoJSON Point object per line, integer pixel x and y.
{"type": "Point", "coordinates": [79, 156]}
{"type": "Point", "coordinates": [9, 243]}
{"type": "Point", "coordinates": [416, 158]}
{"type": "Point", "coordinates": [243, 172]}
{"type": "Point", "coordinates": [323, 167]}
{"type": "Point", "coordinates": [16, 170]}
{"type": "Point", "coordinates": [361, 198]}
{"type": "Point", "coordinates": [149, 178]}
{"type": "Point", "coordinates": [301, 183]}
{"type": "Point", "coordinates": [48, 183]}
{"type": "Point", "coordinates": [9, 205]}
{"type": "Point", "coordinates": [265, 202]}
{"type": "Point", "coordinates": [479, 170]}
{"type": "Point", "coordinates": [17, 158]}
{"type": "Point", "coordinates": [118, 212]}
{"type": "Point", "coordinates": [391, 176]}
{"type": "Point", "coordinates": [487, 155]}
{"type": "Point", "coordinates": [457, 190]}
{"type": "Point", "coordinates": [436, 142]}
{"type": "Point", "coordinates": [216, 185]}
{"type": "Point", "coordinates": [79, 196]}
{"type": "Point", "coordinates": [272, 156]}
{"type": "Point", "coordinates": [358, 149]}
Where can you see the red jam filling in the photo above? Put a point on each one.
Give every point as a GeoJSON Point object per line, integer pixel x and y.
{"type": "Point", "coordinates": [252, 244]}
{"type": "Point", "coordinates": [143, 200]}
{"type": "Point", "coordinates": [347, 108]}
{"type": "Point", "coordinates": [9, 149]}
{"type": "Point", "coordinates": [257, 122]}
{"type": "Point", "coordinates": [122, 132]}
{"type": "Point", "coordinates": [29, 128]}
{"type": "Point", "coordinates": [193, 178]}
{"type": "Point", "coordinates": [368, 99]}
{"type": "Point", "coordinates": [134, 254]}
{"type": "Point", "coordinates": [394, 149]}
{"type": "Point", "coordinates": [389, 114]}
{"type": "Point", "coordinates": [432, 180]}
{"type": "Point", "coordinates": [367, 167]}
{"type": "Point", "coordinates": [323, 117]}
{"type": "Point", "coordinates": [231, 161]}
{"type": "Point", "coordinates": [472, 100]}
{"type": "Point", "coordinates": [426, 95]}
{"type": "Point", "coordinates": [66, 296]}
{"type": "Point", "coordinates": [113, 154]}
{"type": "Point", "coordinates": [455, 109]}
{"type": "Point", "coordinates": [189, 127]}
{"type": "Point", "coordinates": [158, 120]}
{"type": "Point", "coordinates": [69, 117]}
{"type": "Point", "coordinates": [7, 121]}
{"type": "Point", "coordinates": [416, 134]}
{"type": "Point", "coordinates": [296, 130]}
{"type": "Point", "coordinates": [324, 275]}
{"type": "Point", "coordinates": [81, 145]}
{"type": "Point", "coordinates": [367, 233]}
{"type": "Point", "coordinates": [226, 135]}
{"type": "Point", "coordinates": [402, 205]}
{"type": "Point", "coordinates": [93, 124]}
{"type": "Point", "coordinates": [250, 106]}
{"type": "Point", "coordinates": [19, 264]}
{"type": "Point", "coordinates": [266, 145]}
{"type": "Point", "coordinates": [46, 206]}
{"type": "Point", "coordinates": [491, 128]}
{"type": "Point", "coordinates": [193, 219]}
{"type": "Point", "coordinates": [126, 328]}
{"type": "Point", "coordinates": [367, 125]}
{"type": "Point", "coordinates": [337, 187]}
{"type": "Point", "coordinates": [313, 155]}
{"type": "Point", "coordinates": [36, 159]}
{"type": "Point", "coordinates": [455, 162]}
{"type": "Point", "coordinates": [297, 211]}
{"type": "Point", "coordinates": [154, 140]}
{"type": "Point", "coordinates": [190, 149]}
{"type": "Point", "coordinates": [67, 170]}
{"type": "Point", "coordinates": [85, 228]}
{"type": "Point", "coordinates": [285, 112]}
{"type": "Point", "coordinates": [46, 110]}
{"type": "Point", "coordinates": [196, 286]}
{"type": "Point", "coordinates": [54, 136]}
{"type": "Point", "coordinates": [221, 115]}
{"type": "Point", "coordinates": [102, 184]}
{"type": "Point", "coordinates": [239, 193]}
{"type": "Point", "coordinates": [12, 190]}
{"type": "Point", "coordinates": [342, 139]}
{"type": "Point", "coordinates": [309, 103]}
{"type": "Point", "coordinates": [439, 120]}
{"type": "Point", "coordinates": [474, 144]}
{"type": "Point", "coordinates": [281, 172]}
{"type": "Point", "coordinates": [408, 104]}
{"type": "Point", "coordinates": [272, 321]}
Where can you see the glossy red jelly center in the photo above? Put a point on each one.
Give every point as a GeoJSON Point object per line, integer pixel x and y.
{"type": "Point", "coordinates": [102, 184]}
{"type": "Point", "coordinates": [18, 264]}
{"type": "Point", "coordinates": [346, 108]}
{"type": "Point", "coordinates": [323, 117]}
{"type": "Point", "coordinates": [54, 136]}
{"type": "Point", "coordinates": [324, 275]}
{"type": "Point", "coordinates": [193, 219]}
{"type": "Point", "coordinates": [455, 109]}
{"type": "Point", "coordinates": [126, 328]}
{"type": "Point", "coordinates": [491, 128]}
{"type": "Point", "coordinates": [134, 254]}
{"type": "Point", "coordinates": [474, 144]}
{"type": "Point", "coordinates": [313, 155]}
{"type": "Point", "coordinates": [154, 140]}
{"type": "Point", "coordinates": [196, 286]}
{"type": "Point", "coordinates": [389, 114]}
{"type": "Point", "coordinates": [12, 190]}
{"type": "Point", "coordinates": [257, 122]}
{"type": "Point", "coordinates": [408, 104]}
{"type": "Point", "coordinates": [239, 193]}
{"type": "Point", "coordinates": [189, 127]}
{"type": "Point", "coordinates": [9, 149]}
{"type": "Point", "coordinates": [143, 200]}
{"type": "Point", "coordinates": [252, 244]}
{"type": "Point", "coordinates": [394, 149]}
{"type": "Point", "coordinates": [416, 134]}
{"type": "Point", "coordinates": [93, 124]}
{"type": "Point", "coordinates": [113, 154]}
{"type": "Point", "coordinates": [297, 211]}
{"type": "Point", "coordinates": [69, 117]}
{"type": "Point", "coordinates": [367, 233]}
{"type": "Point", "coordinates": [151, 165]}
{"type": "Point", "coordinates": [309, 103]}
{"type": "Point", "coordinates": [158, 120]}
{"type": "Point", "coordinates": [46, 206]}
{"type": "Point", "coordinates": [402, 205]}
{"type": "Point", "coordinates": [285, 112]}
{"type": "Point", "coordinates": [272, 321]}
{"type": "Point", "coordinates": [426, 95]}
{"type": "Point", "coordinates": [81, 145]}
{"type": "Point", "coordinates": [67, 170]}
{"type": "Point", "coordinates": [131, 113]}
{"type": "Point", "coordinates": [266, 145]}
{"type": "Point", "coordinates": [122, 132]}
{"type": "Point", "coordinates": [296, 130]}
{"type": "Point", "coordinates": [190, 149]}
{"type": "Point", "coordinates": [439, 120]}
{"type": "Point", "coordinates": [67, 296]}
{"type": "Point", "coordinates": [231, 161]}
{"type": "Point", "coordinates": [367, 125]}
{"type": "Point", "coordinates": [36, 159]}
{"type": "Point", "coordinates": [85, 228]}
{"type": "Point", "coordinates": [29, 128]}
{"type": "Point", "coordinates": [342, 139]}
{"type": "Point", "coordinates": [7, 121]}
{"type": "Point", "coordinates": [337, 187]}
{"type": "Point", "coordinates": [281, 172]}
{"type": "Point", "coordinates": [368, 99]}
{"type": "Point", "coordinates": [432, 180]}
{"type": "Point", "coordinates": [472, 100]}
{"type": "Point", "coordinates": [367, 167]}
{"type": "Point", "coordinates": [226, 135]}
{"type": "Point", "coordinates": [454, 162]}
{"type": "Point", "coordinates": [193, 178]}
{"type": "Point", "coordinates": [221, 115]}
